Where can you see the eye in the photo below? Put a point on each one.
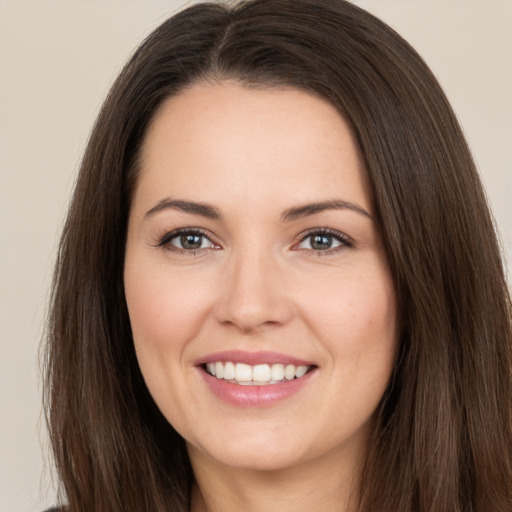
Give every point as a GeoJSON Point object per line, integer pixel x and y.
{"type": "Point", "coordinates": [323, 241]}
{"type": "Point", "coordinates": [186, 240]}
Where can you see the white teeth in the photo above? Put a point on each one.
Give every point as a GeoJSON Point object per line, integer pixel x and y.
{"type": "Point", "coordinates": [219, 370]}
{"type": "Point", "coordinates": [261, 373]}
{"type": "Point", "coordinates": [243, 372]}
{"type": "Point", "coordinates": [301, 371]}
{"type": "Point", "coordinates": [229, 371]}
{"type": "Point", "coordinates": [289, 372]}
{"type": "Point", "coordinates": [277, 372]}
{"type": "Point", "coordinates": [257, 375]}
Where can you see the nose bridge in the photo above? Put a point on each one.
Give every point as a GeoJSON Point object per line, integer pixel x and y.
{"type": "Point", "coordinates": [253, 294]}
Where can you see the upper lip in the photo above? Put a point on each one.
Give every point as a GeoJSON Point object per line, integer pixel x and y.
{"type": "Point", "coordinates": [252, 358]}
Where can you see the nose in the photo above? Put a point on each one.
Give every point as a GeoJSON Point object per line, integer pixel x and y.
{"type": "Point", "coordinates": [254, 293]}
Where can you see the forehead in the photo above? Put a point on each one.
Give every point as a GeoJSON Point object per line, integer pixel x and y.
{"type": "Point", "coordinates": [264, 142]}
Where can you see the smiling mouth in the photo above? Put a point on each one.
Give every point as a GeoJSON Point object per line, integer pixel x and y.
{"type": "Point", "coordinates": [255, 375]}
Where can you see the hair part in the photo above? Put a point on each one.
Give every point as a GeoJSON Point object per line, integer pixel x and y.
{"type": "Point", "coordinates": [443, 439]}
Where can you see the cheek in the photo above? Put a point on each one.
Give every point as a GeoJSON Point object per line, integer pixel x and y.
{"type": "Point", "coordinates": [166, 312]}
{"type": "Point", "coordinates": [360, 306]}
{"type": "Point", "coordinates": [355, 319]}
{"type": "Point", "coordinates": [164, 309]}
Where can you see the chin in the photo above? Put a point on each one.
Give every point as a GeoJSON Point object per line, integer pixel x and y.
{"type": "Point", "coordinates": [253, 453]}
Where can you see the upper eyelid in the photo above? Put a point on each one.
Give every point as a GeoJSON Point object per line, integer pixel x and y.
{"type": "Point", "coordinates": [326, 231]}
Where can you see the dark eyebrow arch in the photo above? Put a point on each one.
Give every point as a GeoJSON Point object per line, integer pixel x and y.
{"type": "Point", "coordinates": [298, 212]}
{"type": "Point", "coordinates": [202, 209]}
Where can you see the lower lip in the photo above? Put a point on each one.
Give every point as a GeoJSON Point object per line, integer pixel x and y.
{"type": "Point", "coordinates": [254, 396]}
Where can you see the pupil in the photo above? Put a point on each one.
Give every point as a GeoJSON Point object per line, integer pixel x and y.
{"type": "Point", "coordinates": [191, 241]}
{"type": "Point", "coordinates": [321, 242]}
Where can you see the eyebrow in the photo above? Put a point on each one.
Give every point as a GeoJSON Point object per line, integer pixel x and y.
{"type": "Point", "coordinates": [314, 208]}
{"type": "Point", "coordinates": [202, 209]}
{"type": "Point", "coordinates": [297, 212]}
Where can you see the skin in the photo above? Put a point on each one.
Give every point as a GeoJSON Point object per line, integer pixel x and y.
{"type": "Point", "coordinates": [258, 284]}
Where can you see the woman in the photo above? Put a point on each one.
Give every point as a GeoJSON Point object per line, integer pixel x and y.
{"type": "Point", "coordinates": [279, 285]}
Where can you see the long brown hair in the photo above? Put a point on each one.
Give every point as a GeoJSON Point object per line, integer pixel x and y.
{"type": "Point", "coordinates": [443, 439]}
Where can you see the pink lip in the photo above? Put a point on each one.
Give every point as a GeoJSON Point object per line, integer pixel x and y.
{"type": "Point", "coordinates": [252, 358]}
{"type": "Point", "coordinates": [254, 396]}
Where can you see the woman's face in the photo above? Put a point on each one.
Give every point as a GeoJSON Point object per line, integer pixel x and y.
{"type": "Point", "coordinates": [253, 254]}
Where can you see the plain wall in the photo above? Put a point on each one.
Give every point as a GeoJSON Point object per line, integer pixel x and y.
{"type": "Point", "coordinates": [57, 61]}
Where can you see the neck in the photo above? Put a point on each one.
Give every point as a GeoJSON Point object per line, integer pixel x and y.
{"type": "Point", "coordinates": [310, 486]}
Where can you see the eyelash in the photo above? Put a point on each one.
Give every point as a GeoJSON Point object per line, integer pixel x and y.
{"type": "Point", "coordinates": [344, 241]}
{"type": "Point", "coordinates": [165, 241]}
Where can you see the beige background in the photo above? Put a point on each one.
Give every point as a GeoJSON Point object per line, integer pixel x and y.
{"type": "Point", "coordinates": [57, 60]}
